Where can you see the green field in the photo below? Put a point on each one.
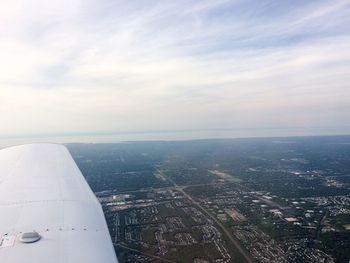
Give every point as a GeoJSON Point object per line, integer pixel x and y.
{"type": "Point", "coordinates": [226, 176]}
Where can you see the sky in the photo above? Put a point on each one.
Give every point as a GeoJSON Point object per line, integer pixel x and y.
{"type": "Point", "coordinates": [105, 66]}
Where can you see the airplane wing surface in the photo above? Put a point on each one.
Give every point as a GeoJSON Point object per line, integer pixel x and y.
{"type": "Point", "coordinates": [48, 213]}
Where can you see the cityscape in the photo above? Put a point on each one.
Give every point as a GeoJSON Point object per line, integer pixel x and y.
{"type": "Point", "coordinates": [197, 131]}
{"type": "Point", "coordinates": [233, 200]}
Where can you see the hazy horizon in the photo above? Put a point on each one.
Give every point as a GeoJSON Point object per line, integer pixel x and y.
{"type": "Point", "coordinates": [260, 68]}
{"type": "Point", "coordinates": [162, 136]}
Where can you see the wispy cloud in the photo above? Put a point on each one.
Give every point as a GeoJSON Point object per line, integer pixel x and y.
{"type": "Point", "coordinates": [92, 66]}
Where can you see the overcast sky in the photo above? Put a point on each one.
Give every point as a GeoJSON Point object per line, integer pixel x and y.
{"type": "Point", "coordinates": [93, 66]}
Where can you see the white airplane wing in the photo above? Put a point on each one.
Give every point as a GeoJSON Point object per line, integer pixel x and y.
{"type": "Point", "coordinates": [48, 213]}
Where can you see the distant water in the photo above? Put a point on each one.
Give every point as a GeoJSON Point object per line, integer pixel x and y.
{"type": "Point", "coordinates": [170, 136]}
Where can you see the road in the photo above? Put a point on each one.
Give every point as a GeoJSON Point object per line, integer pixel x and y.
{"type": "Point", "coordinates": [117, 192]}
{"type": "Point", "coordinates": [320, 224]}
{"type": "Point", "coordinates": [222, 227]}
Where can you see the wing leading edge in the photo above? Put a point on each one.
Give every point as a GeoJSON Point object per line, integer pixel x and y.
{"type": "Point", "coordinates": [43, 191]}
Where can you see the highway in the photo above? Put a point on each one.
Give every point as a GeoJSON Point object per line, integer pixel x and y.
{"type": "Point", "coordinates": [212, 217]}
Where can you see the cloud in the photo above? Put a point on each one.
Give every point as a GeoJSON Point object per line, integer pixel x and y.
{"type": "Point", "coordinates": [94, 66]}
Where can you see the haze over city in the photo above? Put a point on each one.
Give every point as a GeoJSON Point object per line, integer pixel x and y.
{"type": "Point", "coordinates": [94, 67]}
{"type": "Point", "coordinates": [180, 131]}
